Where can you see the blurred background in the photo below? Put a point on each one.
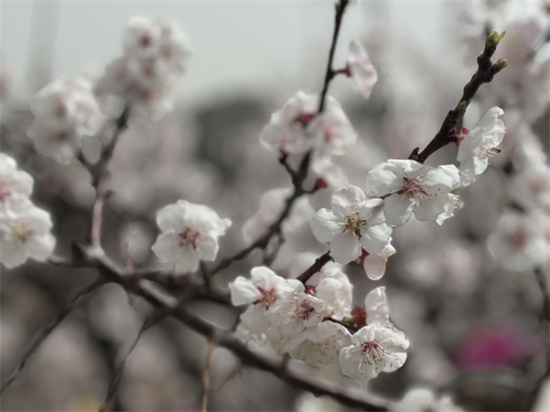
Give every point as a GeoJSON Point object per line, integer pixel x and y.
{"type": "Point", "coordinates": [474, 327]}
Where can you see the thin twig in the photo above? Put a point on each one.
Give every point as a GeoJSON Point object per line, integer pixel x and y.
{"type": "Point", "coordinates": [45, 333]}
{"type": "Point", "coordinates": [485, 73]}
{"type": "Point", "coordinates": [543, 285]}
{"type": "Point", "coordinates": [206, 376]}
{"type": "Point", "coordinates": [99, 176]}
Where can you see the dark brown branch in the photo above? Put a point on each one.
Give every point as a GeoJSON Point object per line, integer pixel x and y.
{"type": "Point", "coordinates": [167, 304]}
{"type": "Point", "coordinates": [330, 72]}
{"type": "Point", "coordinates": [485, 73]}
{"type": "Point", "coordinates": [299, 176]}
{"type": "Point", "coordinates": [316, 267]}
{"type": "Point", "coordinates": [543, 285]}
{"type": "Point", "coordinates": [45, 333]}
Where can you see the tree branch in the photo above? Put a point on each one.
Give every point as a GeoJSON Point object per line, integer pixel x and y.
{"type": "Point", "coordinates": [168, 304]}
{"type": "Point", "coordinates": [485, 73]}
{"type": "Point", "coordinates": [45, 333]}
{"type": "Point", "coordinates": [316, 267]}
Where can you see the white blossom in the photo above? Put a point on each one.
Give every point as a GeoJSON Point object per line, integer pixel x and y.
{"type": "Point", "coordinates": [24, 233]}
{"type": "Point", "coordinates": [520, 241]}
{"type": "Point", "coordinates": [377, 347]}
{"type": "Point", "coordinates": [320, 345]}
{"type": "Point", "coordinates": [294, 313]}
{"type": "Point", "coordinates": [261, 291]}
{"type": "Point", "coordinates": [410, 187]}
{"type": "Point", "coordinates": [156, 54]}
{"type": "Point", "coordinates": [15, 185]}
{"type": "Point", "coordinates": [65, 111]}
{"type": "Point", "coordinates": [479, 145]}
{"type": "Point", "coordinates": [272, 204]}
{"type": "Point", "coordinates": [361, 70]}
{"type": "Point", "coordinates": [530, 187]}
{"type": "Point", "coordinates": [353, 223]}
{"type": "Point", "coordinates": [328, 174]}
{"type": "Point", "coordinates": [189, 234]}
{"type": "Point", "coordinates": [424, 400]}
{"type": "Point", "coordinates": [332, 286]}
{"type": "Point", "coordinates": [297, 127]}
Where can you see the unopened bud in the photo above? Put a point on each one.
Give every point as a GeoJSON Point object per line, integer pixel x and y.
{"type": "Point", "coordinates": [494, 38]}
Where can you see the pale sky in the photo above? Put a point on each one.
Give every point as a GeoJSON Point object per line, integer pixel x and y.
{"type": "Point", "coordinates": [272, 46]}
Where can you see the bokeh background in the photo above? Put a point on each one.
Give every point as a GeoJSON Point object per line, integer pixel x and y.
{"type": "Point", "coordinates": [474, 327]}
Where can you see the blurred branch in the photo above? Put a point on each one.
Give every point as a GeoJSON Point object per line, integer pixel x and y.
{"type": "Point", "coordinates": [485, 73]}
{"type": "Point", "coordinates": [543, 284]}
{"type": "Point", "coordinates": [100, 173]}
{"type": "Point", "coordinates": [167, 304]}
{"type": "Point", "coordinates": [43, 335]}
{"type": "Point", "coordinates": [206, 376]}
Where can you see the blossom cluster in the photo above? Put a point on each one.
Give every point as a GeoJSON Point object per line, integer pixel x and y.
{"type": "Point", "coordinates": [24, 228]}
{"type": "Point", "coordinates": [156, 54]}
{"type": "Point", "coordinates": [307, 321]}
{"type": "Point", "coordinates": [65, 112]}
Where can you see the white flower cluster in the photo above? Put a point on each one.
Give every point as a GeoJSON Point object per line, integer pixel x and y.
{"type": "Point", "coordinates": [24, 228]}
{"type": "Point", "coordinates": [521, 239]}
{"type": "Point", "coordinates": [303, 320]}
{"type": "Point", "coordinates": [421, 399]}
{"type": "Point", "coordinates": [156, 54]}
{"type": "Point", "coordinates": [359, 225]}
{"type": "Point", "coordinates": [65, 111]}
{"type": "Point", "coordinates": [299, 126]}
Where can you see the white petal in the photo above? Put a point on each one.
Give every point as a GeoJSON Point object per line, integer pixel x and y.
{"type": "Point", "coordinates": [347, 200]}
{"type": "Point", "coordinates": [325, 225]}
{"type": "Point", "coordinates": [374, 238]}
{"type": "Point", "coordinates": [345, 247]}
{"type": "Point", "coordinates": [243, 291]}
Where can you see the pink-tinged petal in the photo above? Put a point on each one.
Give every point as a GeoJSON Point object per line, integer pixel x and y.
{"type": "Point", "coordinates": [345, 247]}
{"type": "Point", "coordinates": [325, 225]}
{"type": "Point", "coordinates": [362, 71]}
{"type": "Point", "coordinates": [375, 266]}
{"type": "Point", "coordinates": [398, 209]}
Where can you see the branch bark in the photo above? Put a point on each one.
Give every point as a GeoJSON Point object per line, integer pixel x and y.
{"type": "Point", "coordinates": [485, 73]}
{"type": "Point", "coordinates": [46, 332]}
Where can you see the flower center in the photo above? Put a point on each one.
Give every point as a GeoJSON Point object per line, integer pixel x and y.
{"type": "Point", "coordinates": [519, 238]}
{"type": "Point", "coordinates": [411, 188]}
{"type": "Point", "coordinates": [21, 232]}
{"type": "Point", "coordinates": [354, 223]}
{"type": "Point", "coordinates": [269, 296]}
{"type": "Point", "coordinates": [304, 118]}
{"type": "Point", "coordinates": [188, 237]}
{"type": "Point", "coordinates": [305, 309]}
{"type": "Point", "coordinates": [371, 348]}
{"type": "Point", "coordinates": [311, 290]}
